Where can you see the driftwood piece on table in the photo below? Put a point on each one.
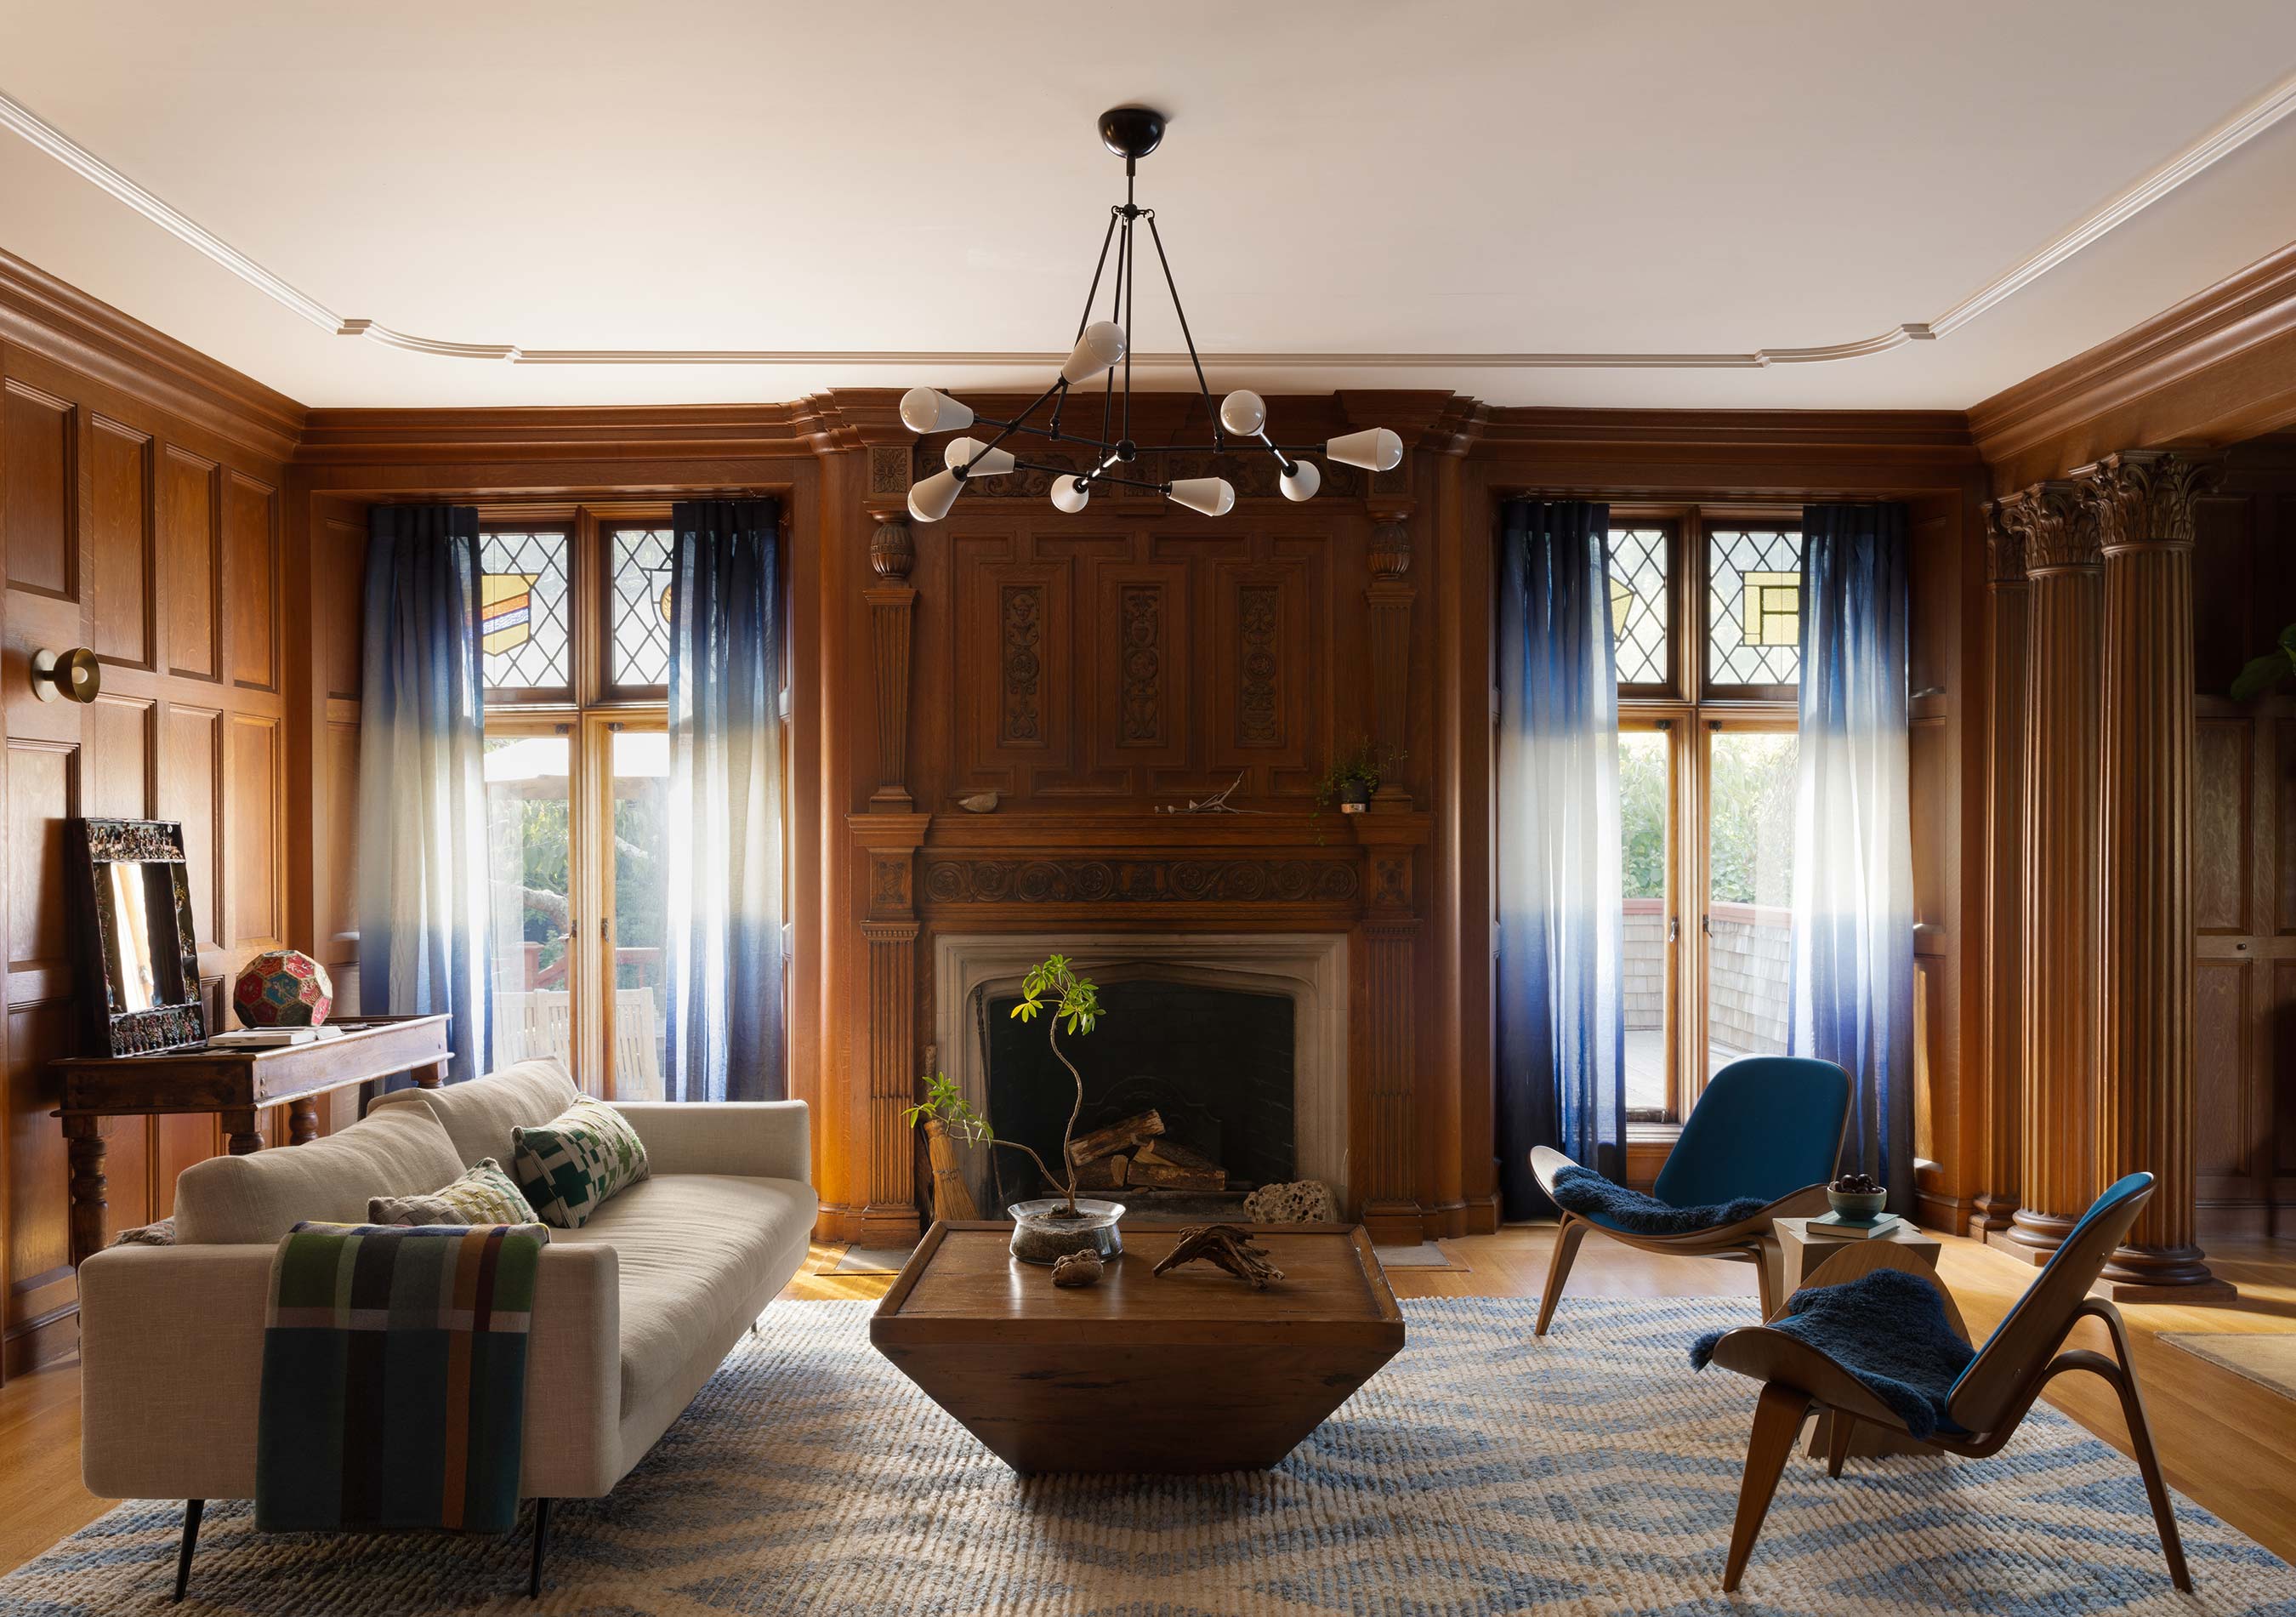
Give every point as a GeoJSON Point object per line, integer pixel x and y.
{"type": "Point", "coordinates": [1076, 1269]}
{"type": "Point", "coordinates": [1117, 1136]}
{"type": "Point", "coordinates": [1229, 1246]}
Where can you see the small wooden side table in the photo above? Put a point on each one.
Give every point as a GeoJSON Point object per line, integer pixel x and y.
{"type": "Point", "coordinates": [233, 1085]}
{"type": "Point", "coordinates": [1803, 1258]}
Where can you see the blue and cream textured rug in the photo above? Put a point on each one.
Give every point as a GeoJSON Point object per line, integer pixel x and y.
{"type": "Point", "coordinates": [1482, 1472]}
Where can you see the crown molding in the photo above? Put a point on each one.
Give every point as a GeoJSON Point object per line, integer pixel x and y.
{"type": "Point", "coordinates": [2211, 147]}
{"type": "Point", "coordinates": [59, 322]}
{"type": "Point", "coordinates": [2239, 315]}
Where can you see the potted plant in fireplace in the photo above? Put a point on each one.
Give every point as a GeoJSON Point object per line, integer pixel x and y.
{"type": "Point", "coordinates": [1048, 1228]}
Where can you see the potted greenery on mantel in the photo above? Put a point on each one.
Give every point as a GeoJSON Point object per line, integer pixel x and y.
{"type": "Point", "coordinates": [1049, 1228]}
{"type": "Point", "coordinates": [1355, 774]}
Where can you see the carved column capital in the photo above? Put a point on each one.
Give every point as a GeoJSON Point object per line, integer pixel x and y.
{"type": "Point", "coordinates": [2053, 526]}
{"type": "Point", "coordinates": [1390, 550]}
{"type": "Point", "coordinates": [2005, 548]}
{"type": "Point", "coordinates": [2145, 496]}
{"type": "Point", "coordinates": [892, 551]}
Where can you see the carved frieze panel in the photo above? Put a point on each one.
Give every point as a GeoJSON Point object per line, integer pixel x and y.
{"type": "Point", "coordinates": [1021, 617]}
{"type": "Point", "coordinates": [984, 881]}
{"type": "Point", "coordinates": [1140, 665]}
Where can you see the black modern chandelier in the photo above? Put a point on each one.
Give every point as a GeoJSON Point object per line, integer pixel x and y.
{"type": "Point", "coordinates": [1103, 348]}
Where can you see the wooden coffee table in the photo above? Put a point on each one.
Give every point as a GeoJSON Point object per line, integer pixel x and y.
{"type": "Point", "coordinates": [1190, 1372]}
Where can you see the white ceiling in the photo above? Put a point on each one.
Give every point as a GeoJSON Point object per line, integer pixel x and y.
{"type": "Point", "coordinates": [1343, 182]}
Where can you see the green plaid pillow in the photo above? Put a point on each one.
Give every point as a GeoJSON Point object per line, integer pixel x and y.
{"type": "Point", "coordinates": [484, 1195]}
{"type": "Point", "coordinates": [572, 1163]}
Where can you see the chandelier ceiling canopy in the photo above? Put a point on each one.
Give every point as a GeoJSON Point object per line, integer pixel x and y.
{"type": "Point", "coordinates": [1102, 350]}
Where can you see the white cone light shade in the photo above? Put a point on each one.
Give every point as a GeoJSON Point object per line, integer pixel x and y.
{"type": "Point", "coordinates": [1243, 412]}
{"type": "Point", "coordinates": [1302, 482]}
{"type": "Point", "coordinates": [1375, 449]}
{"type": "Point", "coordinates": [930, 500]}
{"type": "Point", "coordinates": [928, 410]}
{"type": "Point", "coordinates": [996, 462]}
{"type": "Point", "coordinates": [1212, 496]}
{"type": "Point", "coordinates": [1069, 494]}
{"type": "Point", "coordinates": [1101, 347]}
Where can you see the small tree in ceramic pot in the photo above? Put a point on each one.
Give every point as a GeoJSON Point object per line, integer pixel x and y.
{"type": "Point", "coordinates": [1050, 1228]}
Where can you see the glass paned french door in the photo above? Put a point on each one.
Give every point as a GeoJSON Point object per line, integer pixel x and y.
{"type": "Point", "coordinates": [1748, 919]}
{"type": "Point", "coordinates": [638, 781]}
{"type": "Point", "coordinates": [1646, 794]}
{"type": "Point", "coordinates": [530, 865]}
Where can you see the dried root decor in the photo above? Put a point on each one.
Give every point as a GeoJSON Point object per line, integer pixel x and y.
{"type": "Point", "coordinates": [1229, 1246]}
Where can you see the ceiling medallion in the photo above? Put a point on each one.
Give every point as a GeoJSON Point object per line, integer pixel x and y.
{"type": "Point", "coordinates": [1103, 347]}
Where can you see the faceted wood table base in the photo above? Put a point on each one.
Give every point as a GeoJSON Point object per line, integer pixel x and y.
{"type": "Point", "coordinates": [1192, 1371]}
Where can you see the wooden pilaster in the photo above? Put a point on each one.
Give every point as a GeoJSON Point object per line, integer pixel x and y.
{"type": "Point", "coordinates": [2008, 612]}
{"type": "Point", "coordinates": [2058, 827]}
{"type": "Point", "coordinates": [1389, 1042]}
{"type": "Point", "coordinates": [2146, 1109]}
{"type": "Point", "coordinates": [893, 610]}
{"type": "Point", "coordinates": [889, 1037]}
{"type": "Point", "coordinates": [1389, 599]}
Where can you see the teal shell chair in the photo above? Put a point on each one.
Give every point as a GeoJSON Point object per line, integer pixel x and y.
{"type": "Point", "coordinates": [1985, 1404]}
{"type": "Point", "coordinates": [1767, 1127]}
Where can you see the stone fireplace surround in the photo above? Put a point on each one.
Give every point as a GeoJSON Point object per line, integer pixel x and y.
{"type": "Point", "coordinates": [1308, 968]}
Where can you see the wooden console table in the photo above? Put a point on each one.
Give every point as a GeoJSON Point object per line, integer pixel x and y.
{"type": "Point", "coordinates": [233, 1085]}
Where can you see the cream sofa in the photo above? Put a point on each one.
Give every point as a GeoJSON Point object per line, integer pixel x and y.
{"type": "Point", "coordinates": [632, 1312]}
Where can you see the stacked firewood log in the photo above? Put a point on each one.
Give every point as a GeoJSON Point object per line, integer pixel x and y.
{"type": "Point", "coordinates": [1135, 1154]}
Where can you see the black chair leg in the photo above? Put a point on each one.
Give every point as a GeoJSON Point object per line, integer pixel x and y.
{"type": "Point", "coordinates": [541, 1546]}
{"type": "Point", "coordinates": [192, 1508]}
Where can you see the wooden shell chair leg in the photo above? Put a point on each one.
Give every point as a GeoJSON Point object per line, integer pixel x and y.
{"type": "Point", "coordinates": [1777, 1422]}
{"type": "Point", "coordinates": [1840, 1424]}
{"type": "Point", "coordinates": [1558, 1268]}
{"type": "Point", "coordinates": [2140, 1442]}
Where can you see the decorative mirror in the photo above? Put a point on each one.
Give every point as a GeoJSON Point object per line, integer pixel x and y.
{"type": "Point", "coordinates": [135, 896]}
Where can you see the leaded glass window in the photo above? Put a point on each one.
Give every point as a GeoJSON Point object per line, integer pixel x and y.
{"type": "Point", "coordinates": [640, 625]}
{"type": "Point", "coordinates": [1753, 607]}
{"type": "Point", "coordinates": [523, 619]}
{"type": "Point", "coordinates": [1640, 605]}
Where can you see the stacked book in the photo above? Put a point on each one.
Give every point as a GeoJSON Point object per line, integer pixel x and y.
{"type": "Point", "coordinates": [1834, 1227]}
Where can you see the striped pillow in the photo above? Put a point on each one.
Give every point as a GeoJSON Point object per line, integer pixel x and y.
{"type": "Point", "coordinates": [569, 1166]}
{"type": "Point", "coordinates": [484, 1195]}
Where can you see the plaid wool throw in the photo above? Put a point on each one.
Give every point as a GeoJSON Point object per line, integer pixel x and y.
{"type": "Point", "coordinates": [394, 1377]}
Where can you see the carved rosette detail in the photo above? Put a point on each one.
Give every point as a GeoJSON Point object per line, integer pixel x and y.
{"type": "Point", "coordinates": [1023, 661]}
{"type": "Point", "coordinates": [1257, 721]}
{"type": "Point", "coordinates": [888, 469]}
{"type": "Point", "coordinates": [1142, 881]}
{"type": "Point", "coordinates": [2145, 496]}
{"type": "Point", "coordinates": [1140, 614]}
{"type": "Point", "coordinates": [2054, 527]}
{"type": "Point", "coordinates": [892, 552]}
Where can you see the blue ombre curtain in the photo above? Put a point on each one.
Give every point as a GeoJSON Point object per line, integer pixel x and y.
{"type": "Point", "coordinates": [1853, 888]}
{"type": "Point", "coordinates": [422, 801]}
{"type": "Point", "coordinates": [724, 958]}
{"type": "Point", "coordinates": [1562, 1020]}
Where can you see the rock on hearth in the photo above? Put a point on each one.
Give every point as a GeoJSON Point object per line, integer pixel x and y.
{"type": "Point", "coordinates": [1301, 1202]}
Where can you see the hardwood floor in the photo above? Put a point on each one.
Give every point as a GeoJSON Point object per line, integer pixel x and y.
{"type": "Point", "coordinates": [2224, 1440]}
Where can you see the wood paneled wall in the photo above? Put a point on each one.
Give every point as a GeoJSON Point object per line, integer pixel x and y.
{"type": "Point", "coordinates": [145, 521]}
{"type": "Point", "coordinates": [2244, 849]}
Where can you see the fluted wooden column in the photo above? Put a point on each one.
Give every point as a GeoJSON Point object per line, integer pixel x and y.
{"type": "Point", "coordinates": [2008, 608]}
{"type": "Point", "coordinates": [2146, 1095]}
{"type": "Point", "coordinates": [2058, 1011]}
{"type": "Point", "coordinates": [892, 607]}
{"type": "Point", "coordinates": [1388, 596]}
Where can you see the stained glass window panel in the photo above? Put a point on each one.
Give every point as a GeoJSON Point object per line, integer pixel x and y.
{"type": "Point", "coordinates": [641, 606]}
{"type": "Point", "coordinates": [1753, 607]}
{"type": "Point", "coordinates": [522, 611]}
{"type": "Point", "coordinates": [1640, 604]}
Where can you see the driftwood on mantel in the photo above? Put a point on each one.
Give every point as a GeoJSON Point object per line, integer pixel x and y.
{"type": "Point", "coordinates": [1229, 1246]}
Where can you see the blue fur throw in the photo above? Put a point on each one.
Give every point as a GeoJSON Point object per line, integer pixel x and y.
{"type": "Point", "coordinates": [1590, 1195]}
{"type": "Point", "coordinates": [1886, 1329]}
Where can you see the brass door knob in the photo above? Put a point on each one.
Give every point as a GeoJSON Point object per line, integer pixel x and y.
{"type": "Point", "coordinates": [75, 675]}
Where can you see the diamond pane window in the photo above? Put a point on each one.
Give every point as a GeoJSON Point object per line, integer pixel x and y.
{"type": "Point", "coordinates": [1753, 607]}
{"type": "Point", "coordinates": [640, 605]}
{"type": "Point", "coordinates": [522, 611]}
{"type": "Point", "coordinates": [1640, 605]}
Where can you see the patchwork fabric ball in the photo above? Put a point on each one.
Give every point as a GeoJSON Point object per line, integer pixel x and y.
{"type": "Point", "coordinates": [283, 988]}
